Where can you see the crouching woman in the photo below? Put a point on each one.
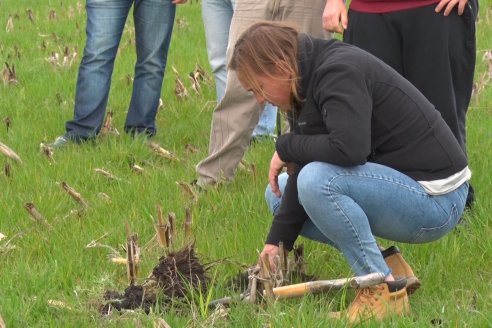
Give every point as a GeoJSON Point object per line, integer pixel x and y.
{"type": "Point", "coordinates": [368, 156]}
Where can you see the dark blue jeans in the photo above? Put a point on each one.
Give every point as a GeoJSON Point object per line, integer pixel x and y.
{"type": "Point", "coordinates": [106, 19]}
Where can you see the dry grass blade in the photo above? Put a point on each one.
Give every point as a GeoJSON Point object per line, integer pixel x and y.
{"type": "Point", "coordinates": [171, 218]}
{"type": "Point", "coordinates": [266, 277]}
{"type": "Point", "coordinates": [252, 289]}
{"type": "Point", "coordinates": [108, 127]}
{"type": "Point", "coordinates": [9, 76]}
{"type": "Point", "coordinates": [480, 84]}
{"type": "Point", "coordinates": [248, 167]}
{"type": "Point", "coordinates": [104, 196]}
{"type": "Point", "coordinates": [74, 194]}
{"type": "Point", "coordinates": [188, 191]}
{"type": "Point", "coordinates": [47, 151]}
{"type": "Point", "coordinates": [30, 15]}
{"type": "Point", "coordinates": [161, 323]}
{"type": "Point", "coordinates": [299, 264]}
{"type": "Point", "coordinates": [4, 149]}
{"type": "Point", "coordinates": [7, 169]}
{"type": "Point", "coordinates": [52, 15]}
{"type": "Point", "coordinates": [6, 246]}
{"type": "Point", "coordinates": [283, 259]}
{"type": "Point", "coordinates": [195, 84]}
{"type": "Point", "coordinates": [487, 56]}
{"type": "Point", "coordinates": [220, 313]}
{"type": "Point", "coordinates": [119, 260]}
{"type": "Point", "coordinates": [162, 152]}
{"type": "Point", "coordinates": [188, 225]}
{"type": "Point", "coordinates": [181, 22]}
{"type": "Point", "coordinates": [58, 304]}
{"type": "Point", "coordinates": [133, 257]}
{"type": "Point", "coordinates": [35, 214]}
{"type": "Point", "coordinates": [8, 122]}
{"type": "Point", "coordinates": [107, 174]}
{"type": "Point", "coordinates": [2, 323]}
{"type": "Point", "coordinates": [94, 242]}
{"type": "Point", "coordinates": [179, 89]}
{"type": "Point", "coordinates": [10, 24]}
{"type": "Point", "coordinates": [137, 168]}
{"type": "Point", "coordinates": [191, 148]}
{"type": "Point", "coordinates": [161, 229]}
{"type": "Point", "coordinates": [53, 59]}
{"type": "Point", "coordinates": [200, 74]}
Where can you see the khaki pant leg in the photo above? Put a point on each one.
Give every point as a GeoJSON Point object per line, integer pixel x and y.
{"type": "Point", "coordinates": [304, 14]}
{"type": "Point", "coordinates": [237, 114]}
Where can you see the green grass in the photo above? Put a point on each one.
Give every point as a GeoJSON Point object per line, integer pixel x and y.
{"type": "Point", "coordinates": [231, 222]}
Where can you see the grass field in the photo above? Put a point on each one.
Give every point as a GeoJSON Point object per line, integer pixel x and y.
{"type": "Point", "coordinates": [42, 264]}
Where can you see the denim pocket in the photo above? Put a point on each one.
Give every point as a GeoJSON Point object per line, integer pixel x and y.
{"type": "Point", "coordinates": [429, 234]}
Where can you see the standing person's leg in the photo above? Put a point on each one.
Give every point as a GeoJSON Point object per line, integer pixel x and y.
{"type": "Point", "coordinates": [154, 22]}
{"type": "Point", "coordinates": [237, 114]}
{"type": "Point", "coordinates": [305, 14]}
{"type": "Point", "coordinates": [217, 17]}
{"type": "Point", "coordinates": [342, 204]}
{"type": "Point", "coordinates": [382, 39]}
{"type": "Point", "coordinates": [442, 52]}
{"type": "Point", "coordinates": [267, 122]}
{"type": "Point", "coordinates": [105, 23]}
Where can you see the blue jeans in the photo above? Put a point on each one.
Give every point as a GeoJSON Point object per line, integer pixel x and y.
{"type": "Point", "coordinates": [349, 206]}
{"type": "Point", "coordinates": [106, 19]}
{"type": "Point", "coordinates": [268, 121]}
{"type": "Point", "coordinates": [217, 16]}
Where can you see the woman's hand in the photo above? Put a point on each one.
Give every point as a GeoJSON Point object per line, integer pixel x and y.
{"type": "Point", "coordinates": [272, 251]}
{"type": "Point", "coordinates": [276, 166]}
{"type": "Point", "coordinates": [450, 4]}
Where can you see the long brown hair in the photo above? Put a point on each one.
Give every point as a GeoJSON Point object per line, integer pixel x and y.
{"type": "Point", "coordinates": [267, 49]}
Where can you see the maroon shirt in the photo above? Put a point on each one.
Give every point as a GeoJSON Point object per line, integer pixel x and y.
{"type": "Point", "coordinates": [386, 6]}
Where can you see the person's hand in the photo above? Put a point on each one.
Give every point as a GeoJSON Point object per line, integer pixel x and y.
{"type": "Point", "coordinates": [276, 166]}
{"type": "Point", "coordinates": [449, 5]}
{"type": "Point", "coordinates": [335, 16]}
{"type": "Point", "coordinates": [178, 2]}
{"type": "Point", "coordinates": [273, 252]}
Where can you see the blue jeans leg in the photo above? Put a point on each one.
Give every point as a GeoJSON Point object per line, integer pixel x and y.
{"type": "Point", "coordinates": [217, 16]}
{"type": "Point", "coordinates": [351, 205]}
{"type": "Point", "coordinates": [268, 121]}
{"type": "Point", "coordinates": [154, 21]}
{"type": "Point", "coordinates": [309, 230]}
{"type": "Point", "coordinates": [105, 23]}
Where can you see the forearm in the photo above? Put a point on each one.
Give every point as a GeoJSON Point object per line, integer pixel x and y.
{"type": "Point", "coordinates": [288, 222]}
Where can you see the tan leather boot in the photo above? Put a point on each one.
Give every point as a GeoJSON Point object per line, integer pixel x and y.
{"type": "Point", "coordinates": [377, 302]}
{"type": "Point", "coordinates": [400, 268]}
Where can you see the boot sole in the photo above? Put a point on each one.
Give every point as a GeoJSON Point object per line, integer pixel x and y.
{"type": "Point", "coordinates": [413, 284]}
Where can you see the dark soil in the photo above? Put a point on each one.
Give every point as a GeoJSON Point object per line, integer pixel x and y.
{"type": "Point", "coordinates": [176, 275]}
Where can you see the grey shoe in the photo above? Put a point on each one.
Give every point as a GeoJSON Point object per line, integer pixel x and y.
{"type": "Point", "coordinates": [59, 142]}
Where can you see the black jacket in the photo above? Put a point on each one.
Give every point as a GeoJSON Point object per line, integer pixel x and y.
{"type": "Point", "coordinates": [356, 109]}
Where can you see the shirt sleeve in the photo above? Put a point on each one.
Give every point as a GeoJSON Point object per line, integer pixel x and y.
{"type": "Point", "coordinates": [288, 222]}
